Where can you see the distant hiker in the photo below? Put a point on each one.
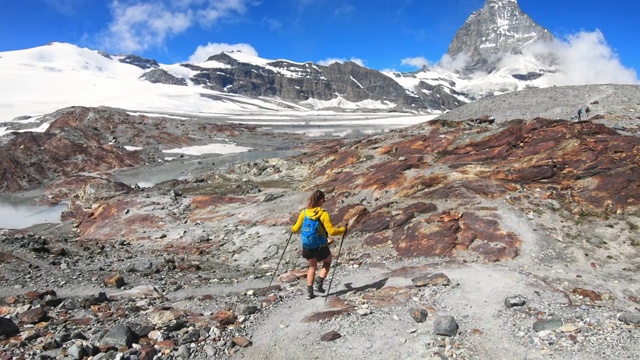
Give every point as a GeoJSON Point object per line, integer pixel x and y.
{"type": "Point", "coordinates": [586, 112]}
{"type": "Point", "coordinates": [579, 113]}
{"type": "Point", "coordinates": [314, 224]}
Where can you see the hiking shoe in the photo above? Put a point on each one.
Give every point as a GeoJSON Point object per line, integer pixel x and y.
{"type": "Point", "coordinates": [309, 293]}
{"type": "Point", "coordinates": [318, 284]}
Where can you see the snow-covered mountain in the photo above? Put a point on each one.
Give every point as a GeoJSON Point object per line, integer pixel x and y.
{"type": "Point", "coordinates": [498, 50]}
{"type": "Point", "coordinates": [499, 28]}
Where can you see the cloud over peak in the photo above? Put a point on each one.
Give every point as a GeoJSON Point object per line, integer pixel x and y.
{"type": "Point", "coordinates": [140, 25]}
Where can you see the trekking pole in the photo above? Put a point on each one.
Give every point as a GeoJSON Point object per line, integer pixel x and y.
{"type": "Point", "coordinates": [334, 271]}
{"type": "Point", "coordinates": [281, 256]}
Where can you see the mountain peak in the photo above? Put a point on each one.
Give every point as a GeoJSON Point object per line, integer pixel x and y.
{"type": "Point", "coordinates": [499, 28]}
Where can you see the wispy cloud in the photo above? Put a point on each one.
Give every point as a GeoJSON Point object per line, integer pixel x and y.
{"type": "Point", "coordinates": [218, 9]}
{"type": "Point", "coordinates": [140, 25]}
{"type": "Point", "coordinates": [66, 7]}
{"type": "Point", "coordinates": [418, 62]}
{"type": "Point", "coordinates": [203, 52]}
{"type": "Point", "coordinates": [330, 61]}
{"type": "Point", "coordinates": [344, 9]}
{"type": "Point", "coordinates": [273, 24]}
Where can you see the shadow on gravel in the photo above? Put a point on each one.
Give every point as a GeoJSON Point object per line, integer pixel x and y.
{"type": "Point", "coordinates": [349, 287]}
{"type": "Point", "coordinates": [344, 307]}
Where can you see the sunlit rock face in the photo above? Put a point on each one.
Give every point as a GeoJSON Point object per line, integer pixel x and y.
{"type": "Point", "coordinates": [429, 190]}
{"type": "Point", "coordinates": [499, 28]}
{"type": "Point", "coordinates": [76, 141]}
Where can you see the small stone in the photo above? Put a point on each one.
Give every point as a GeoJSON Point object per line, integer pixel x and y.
{"type": "Point", "coordinates": [225, 317]}
{"type": "Point", "coordinates": [330, 336]}
{"type": "Point", "coordinates": [114, 280]}
{"type": "Point", "coordinates": [246, 309]}
{"type": "Point", "coordinates": [419, 314]}
{"type": "Point", "coordinates": [241, 341]}
{"type": "Point", "coordinates": [514, 301]}
{"type": "Point", "coordinates": [568, 328]}
{"type": "Point", "coordinates": [445, 326]}
{"type": "Point", "coordinates": [431, 279]}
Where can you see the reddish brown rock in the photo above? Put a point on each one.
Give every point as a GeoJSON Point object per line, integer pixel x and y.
{"type": "Point", "coordinates": [241, 341]}
{"type": "Point", "coordinates": [589, 294]}
{"type": "Point", "coordinates": [147, 352]}
{"type": "Point", "coordinates": [114, 280]}
{"type": "Point", "coordinates": [33, 316]}
{"type": "Point", "coordinates": [32, 295]}
{"type": "Point", "coordinates": [224, 317]}
{"type": "Point", "coordinates": [324, 315]}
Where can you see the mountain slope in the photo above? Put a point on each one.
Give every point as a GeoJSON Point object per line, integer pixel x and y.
{"type": "Point", "coordinates": [44, 79]}
{"type": "Point", "coordinates": [498, 50]}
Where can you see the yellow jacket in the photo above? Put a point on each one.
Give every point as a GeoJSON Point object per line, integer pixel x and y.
{"type": "Point", "coordinates": [326, 229]}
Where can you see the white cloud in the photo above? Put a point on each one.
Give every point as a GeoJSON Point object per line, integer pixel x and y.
{"type": "Point", "coordinates": [453, 64]}
{"type": "Point", "coordinates": [584, 58]}
{"type": "Point", "coordinates": [418, 62]}
{"type": "Point", "coordinates": [203, 52]}
{"type": "Point", "coordinates": [217, 9]}
{"type": "Point", "coordinates": [330, 61]}
{"type": "Point", "coordinates": [140, 25]}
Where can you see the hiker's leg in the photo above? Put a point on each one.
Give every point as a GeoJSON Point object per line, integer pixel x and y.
{"type": "Point", "coordinates": [326, 265]}
{"type": "Point", "coordinates": [311, 273]}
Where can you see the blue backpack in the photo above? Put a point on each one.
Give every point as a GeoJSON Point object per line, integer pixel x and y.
{"type": "Point", "coordinates": [311, 238]}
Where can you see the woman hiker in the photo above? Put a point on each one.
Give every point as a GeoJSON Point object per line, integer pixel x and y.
{"type": "Point", "coordinates": [314, 224]}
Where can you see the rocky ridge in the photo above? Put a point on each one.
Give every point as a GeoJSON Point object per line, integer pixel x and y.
{"type": "Point", "coordinates": [467, 239]}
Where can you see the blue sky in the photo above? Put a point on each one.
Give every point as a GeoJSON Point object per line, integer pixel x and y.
{"type": "Point", "coordinates": [380, 34]}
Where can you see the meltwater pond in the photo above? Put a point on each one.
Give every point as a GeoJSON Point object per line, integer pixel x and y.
{"type": "Point", "coordinates": [18, 212]}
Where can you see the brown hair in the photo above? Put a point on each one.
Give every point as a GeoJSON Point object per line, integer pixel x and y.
{"type": "Point", "coordinates": [315, 199]}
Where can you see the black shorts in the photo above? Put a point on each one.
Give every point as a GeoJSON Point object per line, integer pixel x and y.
{"type": "Point", "coordinates": [319, 254]}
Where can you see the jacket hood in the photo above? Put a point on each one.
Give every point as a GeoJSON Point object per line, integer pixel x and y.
{"type": "Point", "coordinates": [314, 213]}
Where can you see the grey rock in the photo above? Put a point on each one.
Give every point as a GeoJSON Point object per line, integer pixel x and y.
{"type": "Point", "coordinates": [140, 62]}
{"type": "Point", "coordinates": [630, 318]}
{"type": "Point", "coordinates": [445, 326]}
{"type": "Point", "coordinates": [246, 309]}
{"type": "Point", "coordinates": [190, 337]}
{"type": "Point", "coordinates": [547, 324]}
{"type": "Point", "coordinates": [77, 351]}
{"type": "Point", "coordinates": [183, 352]}
{"type": "Point", "coordinates": [161, 76]}
{"type": "Point", "coordinates": [120, 335]}
{"type": "Point", "coordinates": [514, 301]}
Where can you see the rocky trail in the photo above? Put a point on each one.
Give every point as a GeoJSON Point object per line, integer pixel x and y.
{"type": "Point", "coordinates": [467, 240]}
